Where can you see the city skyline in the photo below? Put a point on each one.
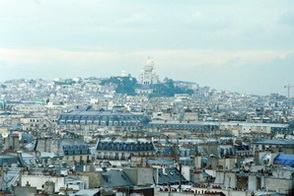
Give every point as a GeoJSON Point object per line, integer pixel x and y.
{"type": "Point", "coordinates": [236, 46]}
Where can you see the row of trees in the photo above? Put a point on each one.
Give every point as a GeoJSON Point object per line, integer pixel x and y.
{"type": "Point", "coordinates": [128, 84]}
{"type": "Point", "coordinates": [124, 85]}
{"type": "Point", "coordinates": [168, 89]}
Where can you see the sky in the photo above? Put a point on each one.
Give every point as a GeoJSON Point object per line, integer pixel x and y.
{"type": "Point", "coordinates": [244, 46]}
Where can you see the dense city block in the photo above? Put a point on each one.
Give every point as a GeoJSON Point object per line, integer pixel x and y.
{"type": "Point", "coordinates": [142, 137]}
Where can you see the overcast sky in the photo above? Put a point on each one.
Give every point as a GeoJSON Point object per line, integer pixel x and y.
{"type": "Point", "coordinates": [244, 46]}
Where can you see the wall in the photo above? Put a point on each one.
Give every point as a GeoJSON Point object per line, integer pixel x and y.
{"type": "Point", "coordinates": [140, 176]}
{"type": "Point", "coordinates": [92, 179]}
{"type": "Point", "coordinates": [230, 180]}
{"type": "Point", "coordinates": [278, 184]}
{"type": "Point", "coordinates": [25, 190]}
{"type": "Point", "coordinates": [199, 190]}
{"type": "Point", "coordinates": [39, 180]}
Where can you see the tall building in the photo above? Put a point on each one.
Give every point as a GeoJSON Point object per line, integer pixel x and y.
{"type": "Point", "coordinates": [149, 75]}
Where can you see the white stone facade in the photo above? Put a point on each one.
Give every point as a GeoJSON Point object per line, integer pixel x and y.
{"type": "Point", "coordinates": [149, 75]}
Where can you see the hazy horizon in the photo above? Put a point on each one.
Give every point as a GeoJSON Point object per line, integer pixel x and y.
{"type": "Point", "coordinates": [239, 46]}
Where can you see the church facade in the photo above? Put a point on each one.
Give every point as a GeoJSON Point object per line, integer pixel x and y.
{"type": "Point", "coordinates": [148, 75]}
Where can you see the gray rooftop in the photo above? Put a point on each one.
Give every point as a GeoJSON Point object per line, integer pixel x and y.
{"type": "Point", "coordinates": [276, 142]}
{"type": "Point", "coordinates": [95, 117]}
{"type": "Point", "coordinates": [170, 176]}
{"type": "Point", "coordinates": [115, 178]}
{"type": "Point", "coordinates": [125, 145]}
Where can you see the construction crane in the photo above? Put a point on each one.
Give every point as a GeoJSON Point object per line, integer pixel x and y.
{"type": "Point", "coordinates": [288, 86]}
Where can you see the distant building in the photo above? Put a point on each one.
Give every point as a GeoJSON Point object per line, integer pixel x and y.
{"type": "Point", "coordinates": [75, 151]}
{"type": "Point", "coordinates": [144, 90]}
{"type": "Point", "coordinates": [4, 105]}
{"type": "Point", "coordinates": [181, 125]}
{"type": "Point", "coordinates": [275, 146]}
{"type": "Point", "coordinates": [123, 149]}
{"type": "Point", "coordinates": [115, 179]}
{"type": "Point", "coordinates": [149, 75]}
{"type": "Point", "coordinates": [94, 119]}
{"type": "Point", "coordinates": [7, 160]}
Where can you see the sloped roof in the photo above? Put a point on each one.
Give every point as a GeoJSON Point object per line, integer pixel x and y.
{"type": "Point", "coordinates": [170, 176]}
{"type": "Point", "coordinates": [125, 145]}
{"type": "Point", "coordinates": [115, 178]}
{"type": "Point", "coordinates": [86, 192]}
{"type": "Point", "coordinates": [160, 162]}
{"type": "Point", "coordinates": [284, 159]}
{"type": "Point", "coordinates": [74, 148]}
{"type": "Point", "coordinates": [276, 142]}
{"type": "Point", "coordinates": [91, 115]}
{"type": "Point", "coordinates": [7, 160]}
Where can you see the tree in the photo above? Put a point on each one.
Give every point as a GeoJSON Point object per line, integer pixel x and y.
{"type": "Point", "coordinates": [124, 85]}
{"type": "Point", "coordinates": [168, 89]}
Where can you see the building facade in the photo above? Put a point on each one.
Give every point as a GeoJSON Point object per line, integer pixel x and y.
{"type": "Point", "coordinates": [93, 120]}
{"type": "Point", "coordinates": [120, 149]}
{"type": "Point", "coordinates": [149, 75]}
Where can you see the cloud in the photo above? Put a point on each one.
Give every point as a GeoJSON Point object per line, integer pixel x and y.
{"type": "Point", "coordinates": [287, 18]}
{"type": "Point", "coordinates": [225, 44]}
{"type": "Point", "coordinates": [136, 19]}
{"type": "Point", "coordinates": [150, 25]}
{"type": "Point", "coordinates": [254, 77]}
{"type": "Point", "coordinates": [173, 57]}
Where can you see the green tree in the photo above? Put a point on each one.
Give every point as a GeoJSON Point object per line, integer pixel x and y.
{"type": "Point", "coordinates": [124, 85]}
